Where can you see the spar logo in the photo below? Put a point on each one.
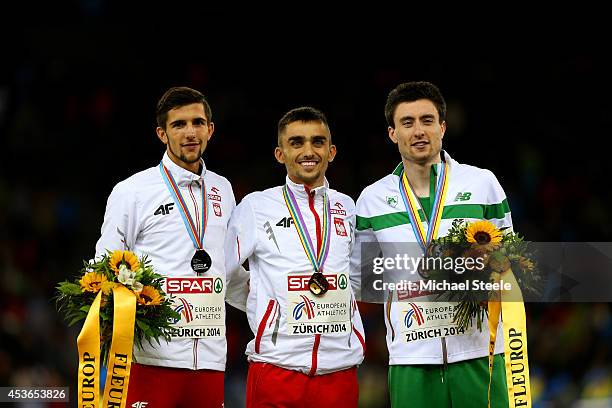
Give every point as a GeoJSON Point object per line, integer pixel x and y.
{"type": "Point", "coordinates": [296, 283]}
{"type": "Point", "coordinates": [415, 313]}
{"type": "Point", "coordinates": [191, 285]}
{"type": "Point", "coordinates": [306, 306]}
{"type": "Point", "coordinates": [185, 309]}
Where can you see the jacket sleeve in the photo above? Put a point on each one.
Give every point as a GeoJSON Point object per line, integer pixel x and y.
{"type": "Point", "coordinates": [120, 227]}
{"type": "Point", "coordinates": [497, 210]}
{"type": "Point", "coordinates": [240, 242]}
{"type": "Point", "coordinates": [365, 249]}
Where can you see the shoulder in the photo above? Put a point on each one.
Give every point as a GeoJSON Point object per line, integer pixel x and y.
{"type": "Point", "coordinates": [389, 182]}
{"type": "Point", "coordinates": [217, 179]}
{"type": "Point", "coordinates": [139, 182]}
{"type": "Point", "coordinates": [466, 171]}
{"type": "Point", "coordinates": [344, 199]}
{"type": "Point", "coordinates": [263, 198]}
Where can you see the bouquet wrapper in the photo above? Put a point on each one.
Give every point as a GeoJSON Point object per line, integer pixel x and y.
{"type": "Point", "coordinates": [120, 354]}
{"type": "Point", "coordinates": [510, 303]}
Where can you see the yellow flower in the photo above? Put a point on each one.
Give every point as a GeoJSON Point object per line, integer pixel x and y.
{"type": "Point", "coordinates": [526, 264]}
{"type": "Point", "coordinates": [92, 282]}
{"type": "Point", "coordinates": [124, 257]}
{"type": "Point", "coordinates": [484, 235]}
{"type": "Point", "coordinates": [149, 296]}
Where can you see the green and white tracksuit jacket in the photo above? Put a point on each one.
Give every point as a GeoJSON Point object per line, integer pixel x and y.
{"type": "Point", "coordinates": [473, 194]}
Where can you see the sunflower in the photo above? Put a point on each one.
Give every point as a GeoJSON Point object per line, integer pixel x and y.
{"type": "Point", "coordinates": [484, 235]}
{"type": "Point", "coordinates": [92, 282]}
{"type": "Point", "coordinates": [123, 257]}
{"type": "Point", "coordinates": [149, 296]}
{"type": "Point", "coordinates": [107, 287]}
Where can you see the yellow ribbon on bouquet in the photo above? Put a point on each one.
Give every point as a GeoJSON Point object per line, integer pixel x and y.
{"type": "Point", "coordinates": [515, 342]}
{"type": "Point", "coordinates": [120, 355]}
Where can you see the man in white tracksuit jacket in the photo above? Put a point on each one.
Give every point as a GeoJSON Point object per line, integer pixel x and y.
{"type": "Point", "coordinates": [431, 363]}
{"type": "Point", "coordinates": [145, 216]}
{"type": "Point", "coordinates": [307, 344]}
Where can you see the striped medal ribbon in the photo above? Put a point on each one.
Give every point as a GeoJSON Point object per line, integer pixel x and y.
{"type": "Point", "coordinates": [318, 285]}
{"type": "Point", "coordinates": [201, 261]}
{"type": "Point", "coordinates": [413, 205]}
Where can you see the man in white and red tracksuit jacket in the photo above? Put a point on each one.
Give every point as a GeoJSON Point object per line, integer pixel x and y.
{"type": "Point", "coordinates": [143, 216]}
{"type": "Point", "coordinates": [307, 344]}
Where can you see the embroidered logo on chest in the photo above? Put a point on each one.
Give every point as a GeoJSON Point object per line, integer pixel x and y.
{"type": "Point", "coordinates": [338, 210]}
{"type": "Point", "coordinates": [214, 195]}
{"type": "Point", "coordinates": [340, 228]}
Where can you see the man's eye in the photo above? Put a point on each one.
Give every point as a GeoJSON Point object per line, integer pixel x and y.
{"type": "Point", "coordinates": [407, 124]}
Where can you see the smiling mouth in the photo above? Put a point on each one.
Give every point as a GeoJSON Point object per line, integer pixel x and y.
{"type": "Point", "coordinates": [420, 143]}
{"type": "Point", "coordinates": [308, 163]}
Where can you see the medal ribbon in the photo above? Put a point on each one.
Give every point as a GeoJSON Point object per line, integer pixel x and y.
{"type": "Point", "coordinates": [412, 207]}
{"type": "Point", "coordinates": [300, 226]}
{"type": "Point", "coordinates": [197, 239]}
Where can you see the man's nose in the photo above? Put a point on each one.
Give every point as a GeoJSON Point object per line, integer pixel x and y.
{"type": "Point", "coordinates": [190, 131]}
{"type": "Point", "coordinates": [418, 130]}
{"type": "Point", "coordinates": [308, 150]}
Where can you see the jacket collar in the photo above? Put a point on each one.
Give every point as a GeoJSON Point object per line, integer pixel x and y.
{"type": "Point", "coordinates": [181, 176]}
{"type": "Point", "coordinates": [301, 191]}
{"type": "Point", "coordinates": [398, 169]}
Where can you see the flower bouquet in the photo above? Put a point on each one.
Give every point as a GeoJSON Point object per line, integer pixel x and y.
{"type": "Point", "coordinates": [493, 252]}
{"type": "Point", "coordinates": [153, 308]}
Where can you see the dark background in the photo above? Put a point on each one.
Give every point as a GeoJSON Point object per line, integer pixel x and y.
{"type": "Point", "coordinates": [77, 101]}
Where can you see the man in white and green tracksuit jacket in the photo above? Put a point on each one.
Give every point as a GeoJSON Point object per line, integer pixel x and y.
{"type": "Point", "coordinates": [443, 368]}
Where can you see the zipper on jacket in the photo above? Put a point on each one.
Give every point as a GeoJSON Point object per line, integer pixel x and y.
{"type": "Point", "coordinates": [195, 354]}
{"type": "Point", "coordinates": [444, 355]}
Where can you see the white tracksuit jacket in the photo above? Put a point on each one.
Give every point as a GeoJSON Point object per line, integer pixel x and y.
{"type": "Point", "coordinates": [134, 221]}
{"type": "Point", "coordinates": [260, 230]}
{"type": "Point", "coordinates": [473, 194]}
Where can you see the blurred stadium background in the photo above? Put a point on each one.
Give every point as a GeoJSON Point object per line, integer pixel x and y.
{"type": "Point", "coordinates": [77, 116]}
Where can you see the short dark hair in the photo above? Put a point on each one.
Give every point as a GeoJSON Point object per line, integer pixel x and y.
{"type": "Point", "coordinates": [175, 98]}
{"type": "Point", "coordinates": [301, 114]}
{"type": "Point", "coordinates": [413, 91]}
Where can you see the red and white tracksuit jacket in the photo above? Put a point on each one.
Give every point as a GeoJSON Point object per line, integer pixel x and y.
{"type": "Point", "coordinates": [261, 230]}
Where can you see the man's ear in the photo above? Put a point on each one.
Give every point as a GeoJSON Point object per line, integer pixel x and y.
{"type": "Point", "coordinates": [443, 126]}
{"type": "Point", "coordinates": [211, 129]}
{"type": "Point", "coordinates": [392, 136]}
{"type": "Point", "coordinates": [161, 134]}
{"type": "Point", "coordinates": [278, 153]}
{"type": "Point", "coordinates": [332, 153]}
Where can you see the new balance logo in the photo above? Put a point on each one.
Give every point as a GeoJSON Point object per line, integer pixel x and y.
{"type": "Point", "coordinates": [285, 222]}
{"type": "Point", "coordinates": [140, 404]}
{"type": "Point", "coordinates": [463, 196]}
{"type": "Point", "coordinates": [164, 209]}
{"type": "Point", "coordinates": [270, 232]}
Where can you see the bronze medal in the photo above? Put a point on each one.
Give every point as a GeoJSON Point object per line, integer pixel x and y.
{"type": "Point", "coordinates": [317, 284]}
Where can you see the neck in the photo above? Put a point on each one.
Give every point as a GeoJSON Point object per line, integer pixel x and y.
{"type": "Point", "coordinates": [418, 175]}
{"type": "Point", "coordinates": [310, 185]}
{"type": "Point", "coordinates": [195, 167]}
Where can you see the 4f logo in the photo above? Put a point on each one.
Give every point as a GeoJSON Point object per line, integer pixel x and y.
{"type": "Point", "coordinates": [140, 404]}
{"type": "Point", "coordinates": [164, 209]}
{"type": "Point", "coordinates": [285, 222]}
{"type": "Point", "coordinates": [463, 196]}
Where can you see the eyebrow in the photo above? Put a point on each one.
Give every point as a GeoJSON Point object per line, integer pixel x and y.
{"type": "Point", "coordinates": [408, 117]}
{"type": "Point", "coordinates": [181, 121]}
{"type": "Point", "coordinates": [301, 137]}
